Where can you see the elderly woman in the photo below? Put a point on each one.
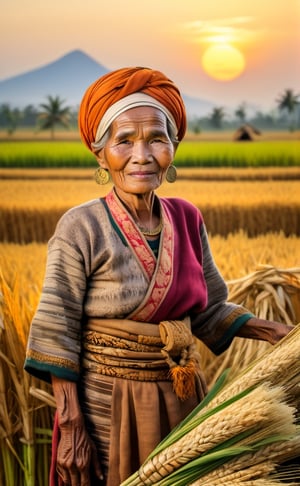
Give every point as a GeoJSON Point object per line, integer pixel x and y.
{"type": "Point", "coordinates": [130, 279]}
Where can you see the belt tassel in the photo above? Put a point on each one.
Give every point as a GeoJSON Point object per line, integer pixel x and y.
{"type": "Point", "coordinates": [179, 343]}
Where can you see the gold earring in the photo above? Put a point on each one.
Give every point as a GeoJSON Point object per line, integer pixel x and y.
{"type": "Point", "coordinates": [101, 176]}
{"type": "Point", "coordinates": [171, 174]}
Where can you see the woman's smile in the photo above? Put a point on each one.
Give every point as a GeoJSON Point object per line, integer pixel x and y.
{"type": "Point", "coordinates": [142, 174]}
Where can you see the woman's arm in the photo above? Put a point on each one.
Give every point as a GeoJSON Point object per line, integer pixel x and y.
{"type": "Point", "coordinates": [76, 451]}
{"type": "Point", "coordinates": [222, 320]}
{"type": "Point", "coordinates": [264, 330]}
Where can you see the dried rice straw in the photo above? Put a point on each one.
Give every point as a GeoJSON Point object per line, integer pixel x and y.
{"type": "Point", "coordinates": [270, 293]}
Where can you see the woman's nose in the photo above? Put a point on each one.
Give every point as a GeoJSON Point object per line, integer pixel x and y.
{"type": "Point", "coordinates": [141, 152]}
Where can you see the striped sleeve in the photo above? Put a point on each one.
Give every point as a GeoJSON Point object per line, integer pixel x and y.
{"type": "Point", "coordinates": [54, 342]}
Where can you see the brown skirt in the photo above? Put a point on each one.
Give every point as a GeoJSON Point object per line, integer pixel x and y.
{"type": "Point", "coordinates": [127, 419]}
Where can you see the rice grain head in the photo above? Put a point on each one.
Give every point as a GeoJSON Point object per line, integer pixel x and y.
{"type": "Point", "coordinates": [261, 407]}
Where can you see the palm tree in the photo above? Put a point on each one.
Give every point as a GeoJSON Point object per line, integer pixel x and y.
{"type": "Point", "coordinates": [217, 116]}
{"type": "Point", "coordinates": [11, 117]}
{"type": "Point", "coordinates": [288, 101]}
{"type": "Point", "coordinates": [240, 112]}
{"type": "Point", "coordinates": [54, 114]}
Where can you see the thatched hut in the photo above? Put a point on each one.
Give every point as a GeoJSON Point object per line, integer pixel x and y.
{"type": "Point", "coordinates": [246, 133]}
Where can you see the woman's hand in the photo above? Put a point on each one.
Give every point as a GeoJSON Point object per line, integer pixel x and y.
{"type": "Point", "coordinates": [76, 453]}
{"type": "Point", "coordinates": [264, 330]}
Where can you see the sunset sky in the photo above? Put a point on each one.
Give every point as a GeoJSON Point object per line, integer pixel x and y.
{"type": "Point", "coordinates": [257, 41]}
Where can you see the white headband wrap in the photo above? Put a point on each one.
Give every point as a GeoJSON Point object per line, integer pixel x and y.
{"type": "Point", "coordinates": [133, 100]}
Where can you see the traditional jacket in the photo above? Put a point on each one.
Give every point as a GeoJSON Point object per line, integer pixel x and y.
{"type": "Point", "coordinates": [100, 265]}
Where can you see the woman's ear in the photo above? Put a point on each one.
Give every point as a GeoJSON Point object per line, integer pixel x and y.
{"type": "Point", "coordinates": [101, 158]}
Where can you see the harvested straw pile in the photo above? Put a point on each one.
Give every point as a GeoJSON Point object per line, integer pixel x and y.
{"type": "Point", "coordinates": [270, 293]}
{"type": "Point", "coordinates": [242, 431]}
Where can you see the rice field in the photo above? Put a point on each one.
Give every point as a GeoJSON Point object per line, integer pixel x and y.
{"type": "Point", "coordinates": [266, 153]}
{"type": "Point", "coordinates": [235, 203]}
{"type": "Point", "coordinates": [31, 207]}
{"type": "Point", "coordinates": [62, 193]}
{"type": "Point", "coordinates": [237, 154]}
{"type": "Point", "coordinates": [236, 256]}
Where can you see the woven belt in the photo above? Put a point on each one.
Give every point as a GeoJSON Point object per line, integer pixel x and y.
{"type": "Point", "coordinates": [143, 351]}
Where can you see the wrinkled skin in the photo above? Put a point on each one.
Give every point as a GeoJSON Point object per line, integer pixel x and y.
{"type": "Point", "coordinates": [76, 454]}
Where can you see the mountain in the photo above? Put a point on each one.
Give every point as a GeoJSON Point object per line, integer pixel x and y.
{"type": "Point", "coordinates": [197, 107]}
{"type": "Point", "coordinates": [68, 77]}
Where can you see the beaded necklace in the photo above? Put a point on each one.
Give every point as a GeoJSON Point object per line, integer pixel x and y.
{"type": "Point", "coordinates": [152, 232]}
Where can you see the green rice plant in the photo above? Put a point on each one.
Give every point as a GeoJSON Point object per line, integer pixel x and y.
{"type": "Point", "coordinates": [189, 154]}
{"type": "Point", "coordinates": [237, 154]}
{"type": "Point", "coordinates": [45, 154]}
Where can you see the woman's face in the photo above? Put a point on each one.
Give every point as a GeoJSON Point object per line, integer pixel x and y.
{"type": "Point", "coordinates": [138, 151]}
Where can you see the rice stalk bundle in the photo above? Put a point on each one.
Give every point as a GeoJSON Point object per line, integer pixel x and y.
{"type": "Point", "coordinates": [251, 418]}
{"type": "Point", "coordinates": [262, 464]}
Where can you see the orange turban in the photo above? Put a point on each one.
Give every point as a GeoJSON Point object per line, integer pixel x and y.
{"type": "Point", "coordinates": [115, 85]}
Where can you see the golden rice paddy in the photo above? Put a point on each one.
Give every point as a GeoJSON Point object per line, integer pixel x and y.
{"type": "Point", "coordinates": [29, 210]}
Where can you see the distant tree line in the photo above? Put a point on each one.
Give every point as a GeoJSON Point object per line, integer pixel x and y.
{"type": "Point", "coordinates": [54, 113]}
{"type": "Point", "coordinates": [285, 116]}
{"type": "Point", "coordinates": [48, 116]}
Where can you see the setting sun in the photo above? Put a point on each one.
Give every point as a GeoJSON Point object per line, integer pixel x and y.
{"type": "Point", "coordinates": [223, 62]}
